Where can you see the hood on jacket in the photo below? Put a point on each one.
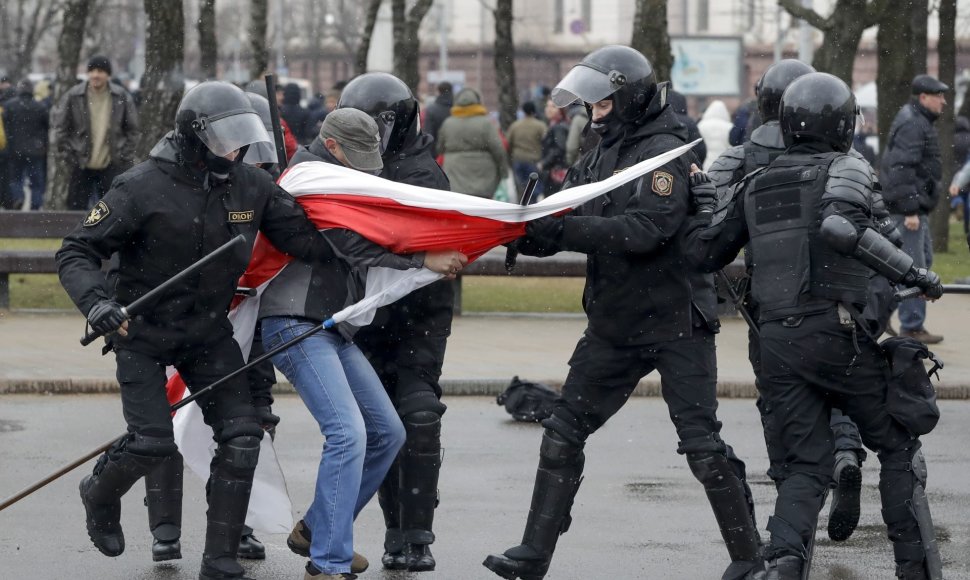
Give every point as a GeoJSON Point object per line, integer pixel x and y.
{"type": "Point", "coordinates": [467, 97]}
{"type": "Point", "coordinates": [717, 110]}
{"type": "Point", "coordinates": [677, 102]}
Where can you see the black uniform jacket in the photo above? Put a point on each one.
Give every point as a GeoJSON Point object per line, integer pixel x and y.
{"type": "Point", "coordinates": [639, 288]}
{"type": "Point", "coordinates": [161, 216]}
{"type": "Point", "coordinates": [911, 168]}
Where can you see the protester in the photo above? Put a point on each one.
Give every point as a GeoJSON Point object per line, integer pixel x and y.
{"type": "Point", "coordinates": [26, 123]}
{"type": "Point", "coordinates": [96, 129]}
{"type": "Point", "coordinates": [715, 128]}
{"type": "Point", "coordinates": [339, 387]}
{"type": "Point", "coordinates": [436, 113]}
{"type": "Point", "coordinates": [475, 160]}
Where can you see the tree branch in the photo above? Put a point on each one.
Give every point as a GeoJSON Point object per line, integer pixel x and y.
{"type": "Point", "coordinates": [795, 8]}
{"type": "Point", "coordinates": [419, 11]}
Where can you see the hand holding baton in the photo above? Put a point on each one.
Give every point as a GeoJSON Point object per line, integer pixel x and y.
{"type": "Point", "coordinates": [138, 306]}
{"type": "Point", "coordinates": [907, 293]}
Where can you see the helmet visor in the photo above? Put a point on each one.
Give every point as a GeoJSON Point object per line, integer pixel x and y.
{"type": "Point", "coordinates": [261, 152]}
{"type": "Point", "coordinates": [385, 127]}
{"type": "Point", "coordinates": [583, 83]}
{"type": "Point", "coordinates": [225, 133]}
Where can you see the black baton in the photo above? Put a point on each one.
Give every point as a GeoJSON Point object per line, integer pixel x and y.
{"type": "Point", "coordinates": [137, 306]}
{"type": "Point", "coordinates": [274, 117]}
{"type": "Point", "coordinates": [947, 289]}
{"type": "Point", "coordinates": [530, 189]}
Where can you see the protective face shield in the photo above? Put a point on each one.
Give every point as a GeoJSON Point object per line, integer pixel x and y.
{"type": "Point", "coordinates": [618, 72]}
{"type": "Point", "coordinates": [388, 100]}
{"type": "Point", "coordinates": [261, 152]}
{"type": "Point", "coordinates": [818, 107]}
{"type": "Point", "coordinates": [227, 132]}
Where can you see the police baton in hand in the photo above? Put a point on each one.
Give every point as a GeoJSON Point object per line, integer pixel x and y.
{"type": "Point", "coordinates": [530, 189]}
{"type": "Point", "coordinates": [140, 305]}
{"type": "Point", "coordinates": [913, 292]}
{"type": "Point", "coordinates": [329, 323]}
{"type": "Point", "coordinates": [274, 117]}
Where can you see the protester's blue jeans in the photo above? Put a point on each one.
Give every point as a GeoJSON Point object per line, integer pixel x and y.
{"type": "Point", "coordinates": [362, 429]}
{"type": "Point", "coordinates": [919, 245]}
{"type": "Point", "coordinates": [521, 171]}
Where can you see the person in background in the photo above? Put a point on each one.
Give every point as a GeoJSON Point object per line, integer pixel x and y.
{"type": "Point", "coordinates": [579, 140]}
{"type": "Point", "coordinates": [715, 128]}
{"type": "Point", "coordinates": [296, 116]}
{"type": "Point", "coordinates": [26, 123]}
{"type": "Point", "coordinates": [436, 113]}
{"type": "Point", "coordinates": [552, 167]}
{"type": "Point", "coordinates": [525, 146]}
{"type": "Point", "coordinates": [475, 159]}
{"type": "Point", "coordinates": [95, 128]}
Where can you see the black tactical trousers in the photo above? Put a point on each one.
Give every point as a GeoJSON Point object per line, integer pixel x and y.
{"type": "Point", "coordinates": [142, 379]}
{"type": "Point", "coordinates": [809, 365]}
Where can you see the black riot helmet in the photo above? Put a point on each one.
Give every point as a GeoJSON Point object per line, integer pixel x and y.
{"type": "Point", "coordinates": [612, 71]}
{"type": "Point", "coordinates": [773, 83]}
{"type": "Point", "coordinates": [214, 119]}
{"type": "Point", "coordinates": [261, 151]}
{"type": "Point", "coordinates": [389, 101]}
{"type": "Point", "coordinates": [820, 108]}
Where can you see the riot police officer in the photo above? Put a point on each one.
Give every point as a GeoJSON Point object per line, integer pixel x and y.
{"type": "Point", "coordinates": [765, 145]}
{"type": "Point", "coordinates": [406, 342]}
{"type": "Point", "coordinates": [646, 312]}
{"type": "Point", "coordinates": [192, 195]}
{"type": "Point", "coordinates": [163, 485]}
{"type": "Point", "coordinates": [807, 222]}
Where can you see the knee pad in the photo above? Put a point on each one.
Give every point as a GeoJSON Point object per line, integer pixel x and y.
{"type": "Point", "coordinates": [710, 468]}
{"type": "Point", "coordinates": [238, 427]}
{"type": "Point", "coordinates": [151, 446]}
{"type": "Point", "coordinates": [704, 444]}
{"type": "Point", "coordinates": [557, 452]}
{"type": "Point", "coordinates": [423, 430]}
{"type": "Point", "coordinates": [415, 397]}
{"type": "Point", "coordinates": [239, 455]}
{"type": "Point", "coordinates": [567, 425]}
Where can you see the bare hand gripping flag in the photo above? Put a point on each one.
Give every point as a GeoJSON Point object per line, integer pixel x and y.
{"type": "Point", "coordinates": [402, 218]}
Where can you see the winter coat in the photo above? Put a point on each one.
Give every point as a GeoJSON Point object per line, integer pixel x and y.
{"type": "Point", "coordinates": [295, 115]}
{"type": "Point", "coordinates": [72, 127]}
{"type": "Point", "coordinates": [715, 128]}
{"type": "Point", "coordinates": [25, 122]}
{"type": "Point", "coordinates": [475, 160]}
{"type": "Point", "coordinates": [911, 168]}
{"type": "Point", "coordinates": [525, 139]}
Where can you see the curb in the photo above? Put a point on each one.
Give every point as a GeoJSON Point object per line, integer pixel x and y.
{"type": "Point", "coordinates": [451, 388]}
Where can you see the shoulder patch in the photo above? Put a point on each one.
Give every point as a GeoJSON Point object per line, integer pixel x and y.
{"type": "Point", "coordinates": [663, 183]}
{"type": "Point", "coordinates": [98, 213]}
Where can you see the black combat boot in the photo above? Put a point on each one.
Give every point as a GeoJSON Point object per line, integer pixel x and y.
{"type": "Point", "coordinates": [420, 461]}
{"type": "Point", "coordinates": [728, 493]}
{"type": "Point", "coordinates": [101, 495]}
{"type": "Point", "coordinates": [163, 497]}
{"type": "Point", "coordinates": [844, 511]}
{"type": "Point", "coordinates": [395, 553]}
{"type": "Point", "coordinates": [249, 547]}
{"type": "Point", "coordinates": [552, 499]}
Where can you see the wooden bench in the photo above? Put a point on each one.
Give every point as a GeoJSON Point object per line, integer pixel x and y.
{"type": "Point", "coordinates": [33, 224]}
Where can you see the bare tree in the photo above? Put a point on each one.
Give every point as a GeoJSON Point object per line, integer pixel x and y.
{"type": "Point", "coordinates": [208, 47]}
{"type": "Point", "coordinates": [68, 54]}
{"type": "Point", "coordinates": [22, 25]}
{"type": "Point", "coordinates": [363, 47]}
{"type": "Point", "coordinates": [895, 40]}
{"type": "Point", "coordinates": [258, 22]}
{"type": "Point", "coordinates": [650, 36]}
{"type": "Point", "coordinates": [508, 101]}
{"type": "Point", "coordinates": [947, 49]}
{"type": "Point", "coordinates": [407, 43]}
{"type": "Point", "coordinates": [163, 83]}
{"type": "Point", "coordinates": [843, 30]}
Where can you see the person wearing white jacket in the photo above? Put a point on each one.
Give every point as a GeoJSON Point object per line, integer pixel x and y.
{"type": "Point", "coordinates": [715, 126]}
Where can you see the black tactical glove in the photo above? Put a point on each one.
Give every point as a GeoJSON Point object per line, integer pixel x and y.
{"type": "Point", "coordinates": [106, 317]}
{"type": "Point", "coordinates": [703, 194]}
{"type": "Point", "coordinates": [925, 280]}
{"type": "Point", "coordinates": [546, 230]}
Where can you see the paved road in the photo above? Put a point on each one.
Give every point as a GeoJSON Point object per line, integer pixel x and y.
{"type": "Point", "coordinates": [639, 514]}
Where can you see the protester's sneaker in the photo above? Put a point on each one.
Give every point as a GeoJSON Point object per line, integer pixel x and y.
{"type": "Point", "coordinates": [313, 574]}
{"type": "Point", "coordinates": [922, 335]}
{"type": "Point", "coordinates": [844, 511]}
{"type": "Point", "coordinates": [299, 543]}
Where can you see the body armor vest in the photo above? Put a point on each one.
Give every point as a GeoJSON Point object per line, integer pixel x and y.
{"type": "Point", "coordinates": [794, 271]}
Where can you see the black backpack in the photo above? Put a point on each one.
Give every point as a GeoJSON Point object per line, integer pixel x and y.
{"type": "Point", "coordinates": [528, 401]}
